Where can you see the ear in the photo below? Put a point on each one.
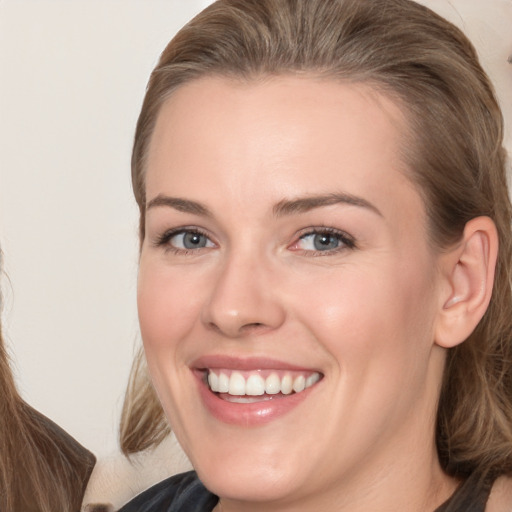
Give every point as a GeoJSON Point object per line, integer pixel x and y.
{"type": "Point", "coordinates": [468, 276]}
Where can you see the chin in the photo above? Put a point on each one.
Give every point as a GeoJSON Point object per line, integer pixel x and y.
{"type": "Point", "coordinates": [249, 482]}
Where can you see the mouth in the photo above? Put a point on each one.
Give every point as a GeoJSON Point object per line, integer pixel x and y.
{"type": "Point", "coordinates": [250, 392]}
{"type": "Point", "coordinates": [253, 386]}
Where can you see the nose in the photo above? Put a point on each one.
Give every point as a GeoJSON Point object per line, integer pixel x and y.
{"type": "Point", "coordinates": [244, 299]}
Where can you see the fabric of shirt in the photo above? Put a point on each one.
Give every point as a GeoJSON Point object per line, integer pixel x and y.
{"type": "Point", "coordinates": [186, 493]}
{"type": "Point", "coordinates": [180, 493]}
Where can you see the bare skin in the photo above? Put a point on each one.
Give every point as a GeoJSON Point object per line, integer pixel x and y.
{"type": "Point", "coordinates": [500, 499]}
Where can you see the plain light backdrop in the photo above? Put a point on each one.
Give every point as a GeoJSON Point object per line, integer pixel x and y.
{"type": "Point", "coordinates": [72, 78]}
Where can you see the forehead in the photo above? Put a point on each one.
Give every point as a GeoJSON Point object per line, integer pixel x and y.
{"type": "Point", "coordinates": [287, 133]}
{"type": "Point", "coordinates": [298, 99]}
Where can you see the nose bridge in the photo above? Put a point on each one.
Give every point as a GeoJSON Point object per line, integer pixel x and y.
{"type": "Point", "coordinates": [243, 299]}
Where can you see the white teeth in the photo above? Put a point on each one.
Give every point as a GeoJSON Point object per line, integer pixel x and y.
{"type": "Point", "coordinates": [236, 384]}
{"type": "Point", "coordinates": [213, 380]}
{"type": "Point", "coordinates": [312, 379]}
{"type": "Point", "coordinates": [223, 383]}
{"type": "Point", "coordinates": [272, 384]}
{"type": "Point", "coordinates": [286, 385]}
{"type": "Point", "coordinates": [299, 383]}
{"type": "Point", "coordinates": [255, 385]}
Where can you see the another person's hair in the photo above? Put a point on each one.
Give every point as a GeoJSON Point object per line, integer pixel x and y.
{"type": "Point", "coordinates": [453, 149]}
{"type": "Point", "coordinates": [42, 469]}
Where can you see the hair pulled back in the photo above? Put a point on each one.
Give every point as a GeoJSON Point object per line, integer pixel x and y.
{"type": "Point", "coordinates": [453, 151]}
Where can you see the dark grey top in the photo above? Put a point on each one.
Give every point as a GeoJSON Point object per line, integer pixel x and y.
{"type": "Point", "coordinates": [180, 493]}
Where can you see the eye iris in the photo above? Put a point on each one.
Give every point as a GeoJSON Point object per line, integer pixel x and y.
{"type": "Point", "coordinates": [193, 240]}
{"type": "Point", "coordinates": [324, 241]}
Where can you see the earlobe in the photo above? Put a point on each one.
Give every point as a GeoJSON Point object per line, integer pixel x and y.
{"type": "Point", "coordinates": [468, 274]}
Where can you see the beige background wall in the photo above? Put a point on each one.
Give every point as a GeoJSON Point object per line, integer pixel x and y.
{"type": "Point", "coordinates": [72, 77]}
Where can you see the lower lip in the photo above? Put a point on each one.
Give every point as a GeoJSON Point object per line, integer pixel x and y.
{"type": "Point", "coordinates": [252, 414]}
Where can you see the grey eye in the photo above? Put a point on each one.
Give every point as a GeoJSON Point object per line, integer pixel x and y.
{"type": "Point", "coordinates": [320, 242]}
{"type": "Point", "coordinates": [325, 242]}
{"type": "Point", "coordinates": [190, 240]}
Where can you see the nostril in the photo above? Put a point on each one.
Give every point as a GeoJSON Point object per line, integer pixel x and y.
{"type": "Point", "coordinates": [213, 326]}
{"type": "Point", "coordinates": [239, 330]}
{"type": "Point", "coordinates": [251, 326]}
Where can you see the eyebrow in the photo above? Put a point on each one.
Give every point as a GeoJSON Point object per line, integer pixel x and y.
{"type": "Point", "coordinates": [282, 208]}
{"type": "Point", "coordinates": [307, 203]}
{"type": "Point", "coordinates": [182, 205]}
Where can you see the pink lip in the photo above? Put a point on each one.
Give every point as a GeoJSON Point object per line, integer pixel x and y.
{"type": "Point", "coordinates": [242, 414]}
{"type": "Point", "coordinates": [247, 364]}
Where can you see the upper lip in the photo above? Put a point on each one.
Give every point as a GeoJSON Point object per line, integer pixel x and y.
{"type": "Point", "coordinates": [245, 363]}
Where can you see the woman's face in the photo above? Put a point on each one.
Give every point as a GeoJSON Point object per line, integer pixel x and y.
{"type": "Point", "coordinates": [286, 265]}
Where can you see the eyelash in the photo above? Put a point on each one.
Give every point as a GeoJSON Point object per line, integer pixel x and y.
{"type": "Point", "coordinates": [346, 241]}
{"type": "Point", "coordinates": [164, 239]}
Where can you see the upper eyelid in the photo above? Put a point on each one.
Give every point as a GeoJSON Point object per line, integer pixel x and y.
{"type": "Point", "coordinates": [347, 240]}
{"type": "Point", "coordinates": [164, 237]}
{"type": "Point", "coordinates": [325, 229]}
{"type": "Point", "coordinates": [321, 229]}
{"type": "Point", "coordinates": [345, 237]}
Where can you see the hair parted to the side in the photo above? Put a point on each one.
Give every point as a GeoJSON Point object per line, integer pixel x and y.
{"type": "Point", "coordinates": [42, 469]}
{"type": "Point", "coordinates": [453, 152]}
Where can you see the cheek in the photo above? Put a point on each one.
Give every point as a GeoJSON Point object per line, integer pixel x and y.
{"type": "Point", "coordinates": [167, 308]}
{"type": "Point", "coordinates": [166, 305]}
{"type": "Point", "coordinates": [371, 310]}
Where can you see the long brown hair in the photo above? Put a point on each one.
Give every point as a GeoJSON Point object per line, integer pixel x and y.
{"type": "Point", "coordinates": [453, 150]}
{"type": "Point", "coordinates": [42, 469]}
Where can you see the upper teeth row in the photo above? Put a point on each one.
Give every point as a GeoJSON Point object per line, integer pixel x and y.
{"type": "Point", "coordinates": [255, 384]}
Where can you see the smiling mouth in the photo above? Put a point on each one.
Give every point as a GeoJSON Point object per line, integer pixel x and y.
{"type": "Point", "coordinates": [258, 385]}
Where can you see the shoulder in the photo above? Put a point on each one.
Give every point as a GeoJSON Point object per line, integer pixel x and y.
{"type": "Point", "coordinates": [500, 499]}
{"type": "Point", "coordinates": [183, 493]}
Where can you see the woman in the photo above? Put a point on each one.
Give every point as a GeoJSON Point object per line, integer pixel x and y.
{"type": "Point", "coordinates": [324, 292]}
{"type": "Point", "coordinates": [42, 468]}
